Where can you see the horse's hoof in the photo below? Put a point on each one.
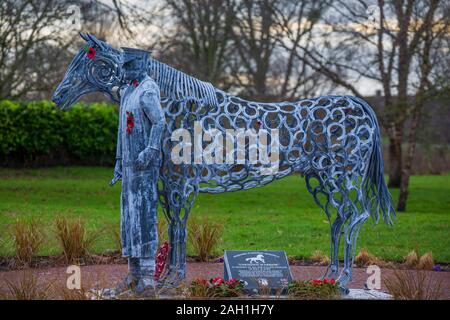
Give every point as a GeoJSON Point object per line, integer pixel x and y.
{"type": "Point", "coordinates": [344, 291]}
{"type": "Point", "coordinates": [331, 274]}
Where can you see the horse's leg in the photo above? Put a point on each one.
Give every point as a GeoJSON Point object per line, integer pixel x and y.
{"type": "Point", "coordinates": [358, 214]}
{"type": "Point", "coordinates": [351, 235]}
{"type": "Point", "coordinates": [189, 194]}
{"type": "Point", "coordinates": [170, 215]}
{"type": "Point", "coordinates": [181, 198]}
{"type": "Point", "coordinates": [182, 241]}
{"type": "Point", "coordinates": [335, 229]}
{"type": "Point", "coordinates": [342, 213]}
{"type": "Point", "coordinates": [171, 279]}
{"type": "Point", "coordinates": [173, 248]}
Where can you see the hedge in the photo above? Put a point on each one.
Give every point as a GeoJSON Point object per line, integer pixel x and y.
{"type": "Point", "coordinates": [36, 133]}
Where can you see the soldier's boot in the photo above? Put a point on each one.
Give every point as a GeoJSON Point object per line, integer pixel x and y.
{"type": "Point", "coordinates": [131, 280]}
{"type": "Point", "coordinates": [146, 286]}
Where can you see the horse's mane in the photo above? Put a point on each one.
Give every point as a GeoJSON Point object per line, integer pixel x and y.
{"type": "Point", "coordinates": [178, 85]}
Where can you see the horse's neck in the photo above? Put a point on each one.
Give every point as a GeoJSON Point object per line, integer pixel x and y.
{"type": "Point", "coordinates": [178, 86]}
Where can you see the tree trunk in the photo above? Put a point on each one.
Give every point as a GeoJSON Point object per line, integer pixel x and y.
{"type": "Point", "coordinates": [403, 196]}
{"type": "Point", "coordinates": [395, 157]}
{"type": "Point", "coordinates": [406, 173]}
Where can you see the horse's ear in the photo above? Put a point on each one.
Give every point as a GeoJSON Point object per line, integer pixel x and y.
{"type": "Point", "coordinates": [84, 36]}
{"type": "Point", "coordinates": [94, 40]}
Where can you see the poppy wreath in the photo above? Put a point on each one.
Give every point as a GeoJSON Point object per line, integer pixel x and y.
{"type": "Point", "coordinates": [314, 289]}
{"type": "Point", "coordinates": [324, 281]}
{"type": "Point", "coordinates": [216, 287]}
{"type": "Point", "coordinates": [161, 260]}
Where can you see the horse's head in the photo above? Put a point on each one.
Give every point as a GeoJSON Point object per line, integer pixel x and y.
{"type": "Point", "coordinates": [96, 67]}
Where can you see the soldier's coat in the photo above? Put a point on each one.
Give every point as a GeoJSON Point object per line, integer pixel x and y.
{"type": "Point", "coordinates": [139, 199]}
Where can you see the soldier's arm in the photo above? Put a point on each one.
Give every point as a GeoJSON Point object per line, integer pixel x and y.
{"type": "Point", "coordinates": [119, 140]}
{"type": "Point", "coordinates": [120, 127]}
{"type": "Point", "coordinates": [151, 104]}
{"type": "Point", "coordinates": [118, 166]}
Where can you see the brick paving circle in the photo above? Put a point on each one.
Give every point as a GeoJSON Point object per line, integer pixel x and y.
{"type": "Point", "coordinates": [107, 276]}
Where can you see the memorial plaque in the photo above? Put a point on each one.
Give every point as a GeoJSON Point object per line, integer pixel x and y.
{"type": "Point", "coordinates": [258, 268]}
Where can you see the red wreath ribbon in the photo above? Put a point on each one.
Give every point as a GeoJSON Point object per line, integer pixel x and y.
{"type": "Point", "coordinates": [161, 260]}
{"type": "Point", "coordinates": [130, 122]}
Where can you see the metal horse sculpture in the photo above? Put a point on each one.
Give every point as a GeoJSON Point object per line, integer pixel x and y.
{"type": "Point", "coordinates": [333, 141]}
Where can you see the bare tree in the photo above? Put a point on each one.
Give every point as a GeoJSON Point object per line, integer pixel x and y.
{"type": "Point", "coordinates": [432, 51]}
{"type": "Point", "coordinates": [25, 28]}
{"type": "Point", "coordinates": [248, 47]}
{"type": "Point", "coordinates": [38, 39]}
{"type": "Point", "coordinates": [266, 38]}
{"type": "Point", "coordinates": [379, 41]}
{"type": "Point", "coordinates": [200, 43]}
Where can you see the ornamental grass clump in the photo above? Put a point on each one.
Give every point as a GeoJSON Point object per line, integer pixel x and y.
{"type": "Point", "coordinates": [314, 289]}
{"type": "Point", "coordinates": [412, 259]}
{"type": "Point", "coordinates": [27, 239]}
{"type": "Point", "coordinates": [27, 287]}
{"type": "Point", "coordinates": [365, 259]}
{"type": "Point", "coordinates": [204, 236]}
{"type": "Point", "coordinates": [74, 239]}
{"type": "Point", "coordinates": [319, 258]}
{"type": "Point", "coordinates": [74, 294]}
{"type": "Point", "coordinates": [426, 262]}
{"type": "Point", "coordinates": [413, 285]}
{"type": "Point", "coordinates": [215, 288]}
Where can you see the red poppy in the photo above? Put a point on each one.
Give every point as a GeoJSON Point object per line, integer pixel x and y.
{"type": "Point", "coordinates": [316, 282]}
{"type": "Point", "coordinates": [135, 83]}
{"type": "Point", "coordinates": [232, 282]}
{"type": "Point", "coordinates": [329, 281]}
{"type": "Point", "coordinates": [218, 281]}
{"type": "Point", "coordinates": [130, 122]}
{"type": "Point", "coordinates": [90, 52]}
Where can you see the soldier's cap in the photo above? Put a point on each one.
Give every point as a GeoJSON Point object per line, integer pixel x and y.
{"type": "Point", "coordinates": [133, 53]}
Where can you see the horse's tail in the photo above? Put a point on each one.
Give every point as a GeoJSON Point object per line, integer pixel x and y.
{"type": "Point", "coordinates": [375, 189]}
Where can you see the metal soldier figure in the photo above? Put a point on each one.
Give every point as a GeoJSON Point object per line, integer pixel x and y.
{"type": "Point", "coordinates": [141, 124]}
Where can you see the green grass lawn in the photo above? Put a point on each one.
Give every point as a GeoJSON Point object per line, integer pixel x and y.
{"type": "Point", "coordinates": [281, 216]}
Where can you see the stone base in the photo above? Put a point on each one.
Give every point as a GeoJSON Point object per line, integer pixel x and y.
{"type": "Point", "coordinates": [363, 294]}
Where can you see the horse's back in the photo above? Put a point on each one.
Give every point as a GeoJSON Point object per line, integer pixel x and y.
{"type": "Point", "coordinates": [318, 136]}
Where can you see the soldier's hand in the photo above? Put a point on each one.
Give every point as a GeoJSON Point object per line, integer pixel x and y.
{"type": "Point", "coordinates": [145, 157]}
{"type": "Point", "coordinates": [117, 173]}
{"type": "Point", "coordinates": [114, 180]}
